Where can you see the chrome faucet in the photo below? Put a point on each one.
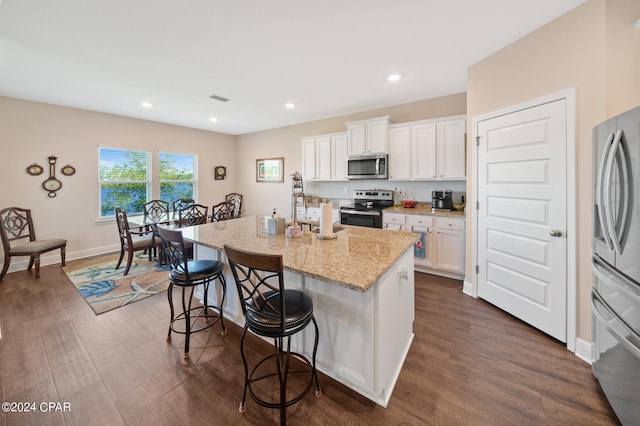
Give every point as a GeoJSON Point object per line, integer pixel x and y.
{"type": "Point", "coordinates": [297, 195]}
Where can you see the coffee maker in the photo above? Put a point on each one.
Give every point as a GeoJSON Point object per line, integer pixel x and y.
{"type": "Point", "coordinates": [442, 199]}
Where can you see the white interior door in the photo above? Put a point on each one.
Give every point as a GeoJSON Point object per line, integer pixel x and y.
{"type": "Point", "coordinates": [522, 215]}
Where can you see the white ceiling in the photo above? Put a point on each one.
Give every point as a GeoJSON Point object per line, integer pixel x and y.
{"type": "Point", "coordinates": [329, 57]}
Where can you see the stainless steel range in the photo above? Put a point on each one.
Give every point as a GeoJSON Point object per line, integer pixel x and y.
{"type": "Point", "coordinates": [367, 207]}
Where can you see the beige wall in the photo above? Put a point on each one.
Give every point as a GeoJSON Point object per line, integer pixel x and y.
{"type": "Point", "coordinates": [261, 198]}
{"type": "Point", "coordinates": [622, 56]}
{"type": "Point", "coordinates": [574, 51]}
{"type": "Point", "coordinates": [33, 131]}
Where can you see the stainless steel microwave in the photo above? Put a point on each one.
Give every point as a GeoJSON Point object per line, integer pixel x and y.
{"type": "Point", "coordinates": [367, 166]}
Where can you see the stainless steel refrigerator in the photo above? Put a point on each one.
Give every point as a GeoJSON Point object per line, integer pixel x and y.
{"type": "Point", "coordinates": [615, 296]}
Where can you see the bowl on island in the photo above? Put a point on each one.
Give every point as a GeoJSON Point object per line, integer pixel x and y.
{"type": "Point", "coordinates": [408, 204]}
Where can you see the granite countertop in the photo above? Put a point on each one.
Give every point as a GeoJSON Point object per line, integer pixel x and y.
{"type": "Point", "coordinates": [424, 209]}
{"type": "Point", "coordinates": [356, 259]}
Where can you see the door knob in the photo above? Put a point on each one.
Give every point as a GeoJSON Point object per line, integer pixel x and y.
{"type": "Point", "coordinates": [555, 233]}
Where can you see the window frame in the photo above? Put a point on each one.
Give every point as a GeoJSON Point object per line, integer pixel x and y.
{"type": "Point", "coordinates": [193, 181]}
{"type": "Point", "coordinates": [147, 182]}
{"type": "Point", "coordinates": [152, 181]}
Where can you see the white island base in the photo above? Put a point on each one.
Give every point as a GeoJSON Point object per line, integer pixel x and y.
{"type": "Point", "coordinates": [364, 335]}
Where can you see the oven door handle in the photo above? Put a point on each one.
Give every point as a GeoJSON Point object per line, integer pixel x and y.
{"type": "Point", "coordinates": [361, 213]}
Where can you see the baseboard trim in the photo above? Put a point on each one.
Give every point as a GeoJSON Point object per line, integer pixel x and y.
{"type": "Point", "coordinates": [467, 288]}
{"type": "Point", "coordinates": [586, 351]}
{"type": "Point", "coordinates": [51, 258]}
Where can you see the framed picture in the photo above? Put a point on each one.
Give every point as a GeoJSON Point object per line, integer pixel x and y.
{"type": "Point", "coordinates": [270, 170]}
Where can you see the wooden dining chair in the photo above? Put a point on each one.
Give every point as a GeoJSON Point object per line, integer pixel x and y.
{"type": "Point", "coordinates": [132, 241]}
{"type": "Point", "coordinates": [156, 209]}
{"type": "Point", "coordinates": [235, 200]}
{"type": "Point", "coordinates": [195, 214]}
{"type": "Point", "coordinates": [221, 211]}
{"type": "Point", "coordinates": [181, 203]}
{"type": "Point", "coordinates": [19, 239]}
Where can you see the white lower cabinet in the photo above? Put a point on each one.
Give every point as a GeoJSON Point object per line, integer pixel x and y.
{"type": "Point", "coordinates": [440, 249]}
{"type": "Point", "coordinates": [449, 238]}
{"type": "Point", "coordinates": [313, 214]}
{"type": "Point", "coordinates": [393, 221]}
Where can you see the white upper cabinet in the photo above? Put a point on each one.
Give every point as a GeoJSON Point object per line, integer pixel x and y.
{"type": "Point", "coordinates": [309, 158]}
{"type": "Point", "coordinates": [339, 157]}
{"type": "Point", "coordinates": [423, 145]}
{"type": "Point", "coordinates": [400, 153]}
{"type": "Point", "coordinates": [368, 136]}
{"type": "Point", "coordinates": [428, 150]}
{"type": "Point", "coordinates": [451, 149]}
{"type": "Point", "coordinates": [324, 157]}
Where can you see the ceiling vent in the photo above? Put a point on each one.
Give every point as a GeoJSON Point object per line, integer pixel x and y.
{"type": "Point", "coordinates": [219, 98]}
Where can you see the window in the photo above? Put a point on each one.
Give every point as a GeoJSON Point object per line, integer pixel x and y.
{"type": "Point", "coordinates": [125, 180]}
{"type": "Point", "coordinates": [177, 176]}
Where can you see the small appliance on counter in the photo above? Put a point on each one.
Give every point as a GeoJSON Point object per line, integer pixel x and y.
{"type": "Point", "coordinates": [442, 199]}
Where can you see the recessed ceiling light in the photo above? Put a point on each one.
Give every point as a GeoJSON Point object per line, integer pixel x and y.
{"type": "Point", "coordinates": [637, 24]}
{"type": "Point", "coordinates": [146, 104]}
{"type": "Point", "coordinates": [394, 77]}
{"type": "Point", "coordinates": [213, 119]}
{"type": "Point", "coordinates": [289, 105]}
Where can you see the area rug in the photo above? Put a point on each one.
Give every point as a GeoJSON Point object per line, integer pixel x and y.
{"type": "Point", "coordinates": [105, 288]}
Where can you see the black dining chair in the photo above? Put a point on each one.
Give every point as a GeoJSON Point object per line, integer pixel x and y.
{"type": "Point", "coordinates": [272, 311]}
{"type": "Point", "coordinates": [188, 274]}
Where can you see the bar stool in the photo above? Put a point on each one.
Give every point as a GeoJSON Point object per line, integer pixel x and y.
{"type": "Point", "coordinates": [271, 311]}
{"type": "Point", "coordinates": [188, 274]}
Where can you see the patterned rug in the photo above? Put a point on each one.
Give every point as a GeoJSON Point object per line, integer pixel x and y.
{"type": "Point", "coordinates": [106, 288]}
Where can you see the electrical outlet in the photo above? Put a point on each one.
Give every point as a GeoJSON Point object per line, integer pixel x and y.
{"type": "Point", "coordinates": [346, 190]}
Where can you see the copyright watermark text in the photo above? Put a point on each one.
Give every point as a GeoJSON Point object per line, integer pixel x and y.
{"type": "Point", "coordinates": [40, 407]}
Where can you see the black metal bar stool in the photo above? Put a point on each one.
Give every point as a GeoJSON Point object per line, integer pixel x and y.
{"type": "Point", "coordinates": [271, 311]}
{"type": "Point", "coordinates": [188, 274]}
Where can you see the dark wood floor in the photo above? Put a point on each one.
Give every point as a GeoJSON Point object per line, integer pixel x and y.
{"type": "Point", "coordinates": [470, 364]}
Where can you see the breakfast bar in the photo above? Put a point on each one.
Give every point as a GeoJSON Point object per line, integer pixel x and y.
{"type": "Point", "coordinates": [362, 286]}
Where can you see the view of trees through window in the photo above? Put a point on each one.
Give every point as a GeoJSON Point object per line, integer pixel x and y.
{"type": "Point", "coordinates": [176, 176]}
{"type": "Point", "coordinates": [126, 179]}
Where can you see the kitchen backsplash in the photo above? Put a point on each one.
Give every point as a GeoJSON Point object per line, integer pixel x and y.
{"type": "Point", "coordinates": [420, 191]}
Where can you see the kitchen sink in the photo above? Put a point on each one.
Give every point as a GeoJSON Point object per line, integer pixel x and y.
{"type": "Point", "coordinates": [336, 228]}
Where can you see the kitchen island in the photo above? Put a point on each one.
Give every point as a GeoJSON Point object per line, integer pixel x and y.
{"type": "Point", "coordinates": [362, 287]}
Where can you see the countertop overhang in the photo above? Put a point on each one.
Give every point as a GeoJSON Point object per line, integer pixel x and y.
{"type": "Point", "coordinates": [356, 259]}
